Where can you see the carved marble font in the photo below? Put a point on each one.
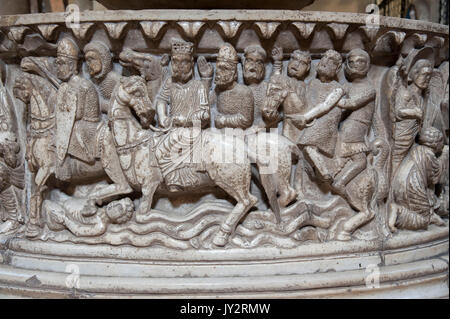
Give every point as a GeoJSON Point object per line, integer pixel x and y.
{"type": "Point", "coordinates": [188, 136]}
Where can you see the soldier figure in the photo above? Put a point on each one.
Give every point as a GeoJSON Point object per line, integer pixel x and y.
{"type": "Point", "coordinates": [99, 63]}
{"type": "Point", "coordinates": [297, 69]}
{"type": "Point", "coordinates": [234, 101]}
{"type": "Point", "coordinates": [80, 134]}
{"type": "Point", "coordinates": [319, 139]}
{"type": "Point", "coordinates": [254, 71]}
{"type": "Point", "coordinates": [354, 130]}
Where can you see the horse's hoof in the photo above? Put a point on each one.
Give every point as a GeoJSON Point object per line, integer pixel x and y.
{"type": "Point", "coordinates": [287, 197]}
{"type": "Point", "coordinates": [221, 239]}
{"type": "Point", "coordinates": [32, 231]}
{"type": "Point", "coordinates": [344, 236]}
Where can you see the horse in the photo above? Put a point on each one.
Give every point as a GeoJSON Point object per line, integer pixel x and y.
{"type": "Point", "coordinates": [39, 94]}
{"type": "Point", "coordinates": [143, 155]}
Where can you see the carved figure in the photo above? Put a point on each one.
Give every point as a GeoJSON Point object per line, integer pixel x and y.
{"type": "Point", "coordinates": [354, 129]}
{"type": "Point", "coordinates": [99, 64]}
{"type": "Point", "coordinates": [298, 68]}
{"type": "Point", "coordinates": [11, 169]}
{"type": "Point", "coordinates": [407, 110]}
{"type": "Point", "coordinates": [83, 218]}
{"type": "Point", "coordinates": [413, 198]}
{"type": "Point", "coordinates": [254, 71]}
{"type": "Point", "coordinates": [234, 101]}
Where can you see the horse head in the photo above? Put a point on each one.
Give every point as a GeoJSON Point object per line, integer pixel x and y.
{"type": "Point", "coordinates": [276, 93]}
{"type": "Point", "coordinates": [132, 92]}
{"type": "Point", "coordinates": [147, 65]}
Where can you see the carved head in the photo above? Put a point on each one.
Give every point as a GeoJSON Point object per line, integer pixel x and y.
{"type": "Point", "coordinates": [299, 64]}
{"type": "Point", "coordinates": [420, 74]}
{"type": "Point", "coordinates": [432, 138]}
{"type": "Point", "coordinates": [67, 59]}
{"type": "Point", "coordinates": [132, 91]}
{"type": "Point", "coordinates": [254, 66]}
{"type": "Point", "coordinates": [275, 95]}
{"type": "Point", "coordinates": [98, 59]}
{"type": "Point", "coordinates": [357, 64]}
{"type": "Point", "coordinates": [121, 211]}
{"type": "Point", "coordinates": [329, 66]}
{"type": "Point", "coordinates": [226, 67]}
{"type": "Point", "coordinates": [22, 89]}
{"type": "Point", "coordinates": [182, 61]}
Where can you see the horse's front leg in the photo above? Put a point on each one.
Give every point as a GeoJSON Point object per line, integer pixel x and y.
{"type": "Point", "coordinates": [148, 175]}
{"type": "Point", "coordinates": [111, 164]}
{"type": "Point", "coordinates": [33, 226]}
{"type": "Point", "coordinates": [148, 190]}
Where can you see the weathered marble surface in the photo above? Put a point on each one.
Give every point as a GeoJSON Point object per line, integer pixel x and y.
{"type": "Point", "coordinates": [317, 105]}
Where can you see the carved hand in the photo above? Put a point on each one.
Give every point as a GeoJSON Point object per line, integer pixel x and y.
{"type": "Point", "coordinates": [277, 53]}
{"type": "Point", "coordinates": [220, 121]}
{"type": "Point", "coordinates": [166, 122]}
{"type": "Point", "coordinates": [205, 68]}
{"type": "Point", "coordinates": [179, 120]}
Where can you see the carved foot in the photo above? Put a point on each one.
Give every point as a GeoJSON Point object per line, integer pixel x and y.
{"type": "Point", "coordinates": [142, 217]}
{"type": "Point", "coordinates": [32, 231]}
{"type": "Point", "coordinates": [221, 238]}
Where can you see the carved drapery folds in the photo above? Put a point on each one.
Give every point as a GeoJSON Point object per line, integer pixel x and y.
{"type": "Point", "coordinates": [219, 132]}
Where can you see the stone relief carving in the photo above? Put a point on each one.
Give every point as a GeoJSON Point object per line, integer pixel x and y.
{"type": "Point", "coordinates": [12, 212]}
{"type": "Point", "coordinates": [316, 144]}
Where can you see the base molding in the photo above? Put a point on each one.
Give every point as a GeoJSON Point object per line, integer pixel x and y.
{"type": "Point", "coordinates": [414, 271]}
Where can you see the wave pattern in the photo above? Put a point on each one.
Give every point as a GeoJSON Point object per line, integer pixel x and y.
{"type": "Point", "coordinates": [196, 229]}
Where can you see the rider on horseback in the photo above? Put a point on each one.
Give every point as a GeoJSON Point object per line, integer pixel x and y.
{"type": "Point", "coordinates": [189, 104]}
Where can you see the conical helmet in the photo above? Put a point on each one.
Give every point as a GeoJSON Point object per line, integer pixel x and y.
{"type": "Point", "coordinates": [227, 54]}
{"type": "Point", "coordinates": [68, 48]}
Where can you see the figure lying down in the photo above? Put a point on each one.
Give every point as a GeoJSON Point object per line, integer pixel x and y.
{"type": "Point", "coordinates": [83, 218]}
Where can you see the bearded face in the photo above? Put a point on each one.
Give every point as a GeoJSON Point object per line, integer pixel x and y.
{"type": "Point", "coordinates": [253, 68]}
{"type": "Point", "coordinates": [182, 68]}
{"type": "Point", "coordinates": [94, 63]}
{"type": "Point", "coordinates": [422, 77]}
{"type": "Point", "coordinates": [65, 68]}
{"type": "Point", "coordinates": [225, 74]}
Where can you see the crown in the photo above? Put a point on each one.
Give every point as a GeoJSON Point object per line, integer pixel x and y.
{"type": "Point", "coordinates": [227, 54]}
{"type": "Point", "coordinates": [180, 47]}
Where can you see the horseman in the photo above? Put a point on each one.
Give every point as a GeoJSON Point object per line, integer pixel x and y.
{"type": "Point", "coordinates": [81, 137]}
{"type": "Point", "coordinates": [187, 102]}
{"type": "Point", "coordinates": [77, 111]}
